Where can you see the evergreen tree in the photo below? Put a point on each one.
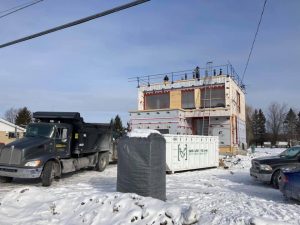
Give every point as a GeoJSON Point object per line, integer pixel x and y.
{"type": "Point", "coordinates": [117, 127]}
{"type": "Point", "coordinates": [128, 128]}
{"type": "Point", "coordinates": [298, 127]}
{"type": "Point", "coordinates": [24, 117]}
{"type": "Point", "coordinates": [255, 126]}
{"type": "Point", "coordinates": [291, 123]}
{"type": "Point", "coordinates": [261, 127]}
{"type": "Point", "coordinates": [111, 123]}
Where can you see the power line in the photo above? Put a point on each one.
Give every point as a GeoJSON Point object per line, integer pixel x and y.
{"type": "Point", "coordinates": [18, 8]}
{"type": "Point", "coordinates": [76, 22]}
{"type": "Point", "coordinates": [261, 16]}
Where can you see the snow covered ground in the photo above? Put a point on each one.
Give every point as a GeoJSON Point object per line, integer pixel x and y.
{"type": "Point", "coordinates": [215, 196]}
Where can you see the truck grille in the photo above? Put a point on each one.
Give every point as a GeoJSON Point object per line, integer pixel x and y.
{"type": "Point", "coordinates": [10, 156]}
{"type": "Point", "coordinates": [255, 165]}
{"type": "Point", "coordinates": [8, 170]}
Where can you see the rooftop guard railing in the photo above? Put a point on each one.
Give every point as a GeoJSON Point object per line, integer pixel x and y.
{"type": "Point", "coordinates": [197, 73]}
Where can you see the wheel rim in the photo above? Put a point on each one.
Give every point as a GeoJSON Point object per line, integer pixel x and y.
{"type": "Point", "coordinates": [52, 172]}
{"type": "Point", "coordinates": [103, 162]}
{"type": "Point", "coordinates": [278, 179]}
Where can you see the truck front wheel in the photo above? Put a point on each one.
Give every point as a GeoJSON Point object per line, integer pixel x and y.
{"type": "Point", "coordinates": [48, 174]}
{"type": "Point", "coordinates": [276, 179]}
{"type": "Point", "coordinates": [103, 160]}
{"type": "Point", "coordinates": [6, 179]}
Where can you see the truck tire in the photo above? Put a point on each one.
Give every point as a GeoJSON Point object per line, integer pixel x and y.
{"type": "Point", "coordinates": [48, 174]}
{"type": "Point", "coordinates": [276, 177]}
{"type": "Point", "coordinates": [103, 160]}
{"type": "Point", "coordinates": [6, 179]}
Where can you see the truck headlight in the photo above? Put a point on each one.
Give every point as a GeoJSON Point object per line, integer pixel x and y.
{"type": "Point", "coordinates": [34, 163]}
{"type": "Point", "coordinates": [265, 167]}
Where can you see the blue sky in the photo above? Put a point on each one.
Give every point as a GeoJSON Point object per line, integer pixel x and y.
{"type": "Point", "coordinates": [86, 68]}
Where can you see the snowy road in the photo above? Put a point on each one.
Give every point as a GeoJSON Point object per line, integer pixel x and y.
{"type": "Point", "coordinates": [218, 196]}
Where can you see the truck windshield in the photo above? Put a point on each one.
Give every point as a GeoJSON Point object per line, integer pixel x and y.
{"type": "Point", "coordinates": [290, 152]}
{"type": "Point", "coordinates": [39, 130]}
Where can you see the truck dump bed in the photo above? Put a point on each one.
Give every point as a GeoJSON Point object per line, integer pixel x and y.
{"type": "Point", "coordinates": [86, 137]}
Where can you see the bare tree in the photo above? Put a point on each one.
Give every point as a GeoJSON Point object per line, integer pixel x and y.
{"type": "Point", "coordinates": [11, 114]}
{"type": "Point", "coordinates": [276, 116]}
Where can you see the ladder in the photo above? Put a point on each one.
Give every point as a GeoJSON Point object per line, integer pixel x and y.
{"type": "Point", "coordinates": [207, 80]}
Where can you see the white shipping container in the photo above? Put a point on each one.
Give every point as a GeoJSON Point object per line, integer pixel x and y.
{"type": "Point", "coordinates": [188, 152]}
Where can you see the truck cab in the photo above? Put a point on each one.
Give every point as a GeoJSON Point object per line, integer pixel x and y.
{"type": "Point", "coordinates": [56, 143]}
{"type": "Point", "coordinates": [58, 136]}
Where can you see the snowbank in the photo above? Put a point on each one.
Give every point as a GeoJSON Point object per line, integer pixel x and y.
{"type": "Point", "coordinates": [32, 205]}
{"type": "Point", "coordinates": [263, 221]}
{"type": "Point", "coordinates": [143, 133]}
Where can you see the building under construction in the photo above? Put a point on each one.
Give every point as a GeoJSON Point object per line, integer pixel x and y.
{"type": "Point", "coordinates": [202, 101]}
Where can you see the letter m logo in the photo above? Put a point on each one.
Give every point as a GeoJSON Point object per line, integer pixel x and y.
{"type": "Point", "coordinates": [182, 153]}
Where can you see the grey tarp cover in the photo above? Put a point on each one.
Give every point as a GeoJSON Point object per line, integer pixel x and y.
{"type": "Point", "coordinates": [142, 166]}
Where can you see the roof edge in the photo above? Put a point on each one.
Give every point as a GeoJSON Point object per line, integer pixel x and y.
{"type": "Point", "coordinates": [12, 125]}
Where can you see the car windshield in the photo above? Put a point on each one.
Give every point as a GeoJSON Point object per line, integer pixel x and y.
{"type": "Point", "coordinates": [39, 130]}
{"type": "Point", "coordinates": [290, 152]}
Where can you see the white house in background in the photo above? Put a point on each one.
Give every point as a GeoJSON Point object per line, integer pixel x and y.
{"type": "Point", "coordinates": [8, 131]}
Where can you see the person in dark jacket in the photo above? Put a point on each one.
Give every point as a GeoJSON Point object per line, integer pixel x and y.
{"type": "Point", "coordinates": [197, 72]}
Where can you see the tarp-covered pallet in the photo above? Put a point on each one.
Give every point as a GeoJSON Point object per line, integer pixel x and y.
{"type": "Point", "coordinates": [142, 165]}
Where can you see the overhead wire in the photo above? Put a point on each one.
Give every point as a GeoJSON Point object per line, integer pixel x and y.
{"type": "Point", "coordinates": [252, 46]}
{"type": "Point", "coordinates": [18, 8]}
{"type": "Point", "coordinates": [76, 22]}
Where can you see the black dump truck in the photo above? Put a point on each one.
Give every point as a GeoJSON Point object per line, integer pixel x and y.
{"type": "Point", "coordinates": [56, 143]}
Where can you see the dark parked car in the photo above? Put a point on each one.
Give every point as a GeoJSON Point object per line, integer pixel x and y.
{"type": "Point", "coordinates": [290, 184]}
{"type": "Point", "coordinates": [267, 169]}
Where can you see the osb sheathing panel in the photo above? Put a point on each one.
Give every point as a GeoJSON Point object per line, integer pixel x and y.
{"type": "Point", "coordinates": [233, 101]}
{"type": "Point", "coordinates": [233, 129]}
{"type": "Point", "coordinates": [175, 99]}
{"type": "Point", "coordinates": [141, 100]}
{"type": "Point", "coordinates": [228, 150]}
{"type": "Point", "coordinates": [197, 98]}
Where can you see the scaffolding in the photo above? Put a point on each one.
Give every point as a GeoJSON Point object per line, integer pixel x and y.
{"type": "Point", "coordinates": [190, 74]}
